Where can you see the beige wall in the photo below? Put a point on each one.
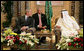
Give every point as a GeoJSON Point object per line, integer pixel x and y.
{"type": "Point", "coordinates": [33, 6]}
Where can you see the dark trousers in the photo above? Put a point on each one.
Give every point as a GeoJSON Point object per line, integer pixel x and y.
{"type": "Point", "coordinates": [41, 39]}
{"type": "Point", "coordinates": [17, 31]}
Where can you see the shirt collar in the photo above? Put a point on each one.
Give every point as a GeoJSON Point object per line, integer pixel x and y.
{"type": "Point", "coordinates": [39, 14]}
{"type": "Point", "coordinates": [26, 16]}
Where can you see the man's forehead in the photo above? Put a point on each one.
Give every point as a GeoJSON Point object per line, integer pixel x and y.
{"type": "Point", "coordinates": [39, 9]}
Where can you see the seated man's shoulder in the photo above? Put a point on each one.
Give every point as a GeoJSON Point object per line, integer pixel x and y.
{"type": "Point", "coordinates": [30, 17]}
{"type": "Point", "coordinates": [42, 13]}
{"type": "Point", "coordinates": [73, 18]}
{"type": "Point", "coordinates": [35, 14]}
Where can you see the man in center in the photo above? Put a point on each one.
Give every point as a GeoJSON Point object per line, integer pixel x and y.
{"type": "Point", "coordinates": [40, 22]}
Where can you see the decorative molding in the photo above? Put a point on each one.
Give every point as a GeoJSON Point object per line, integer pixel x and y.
{"type": "Point", "coordinates": [54, 3]}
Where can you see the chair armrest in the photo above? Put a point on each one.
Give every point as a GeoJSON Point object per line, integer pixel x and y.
{"type": "Point", "coordinates": [57, 33]}
{"type": "Point", "coordinates": [56, 30]}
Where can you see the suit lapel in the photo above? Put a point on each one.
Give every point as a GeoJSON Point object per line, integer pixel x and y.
{"type": "Point", "coordinates": [41, 17]}
{"type": "Point", "coordinates": [37, 18]}
{"type": "Point", "coordinates": [28, 20]}
{"type": "Point", "coordinates": [24, 19]}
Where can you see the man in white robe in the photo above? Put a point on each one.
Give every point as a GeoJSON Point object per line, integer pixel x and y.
{"type": "Point", "coordinates": [67, 25]}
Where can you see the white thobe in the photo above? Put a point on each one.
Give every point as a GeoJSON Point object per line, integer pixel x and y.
{"type": "Point", "coordinates": [68, 31]}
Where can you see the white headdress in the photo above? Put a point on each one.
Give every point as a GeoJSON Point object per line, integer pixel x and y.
{"type": "Point", "coordinates": [67, 19]}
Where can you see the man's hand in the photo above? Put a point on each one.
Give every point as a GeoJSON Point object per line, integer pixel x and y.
{"type": "Point", "coordinates": [23, 28]}
{"type": "Point", "coordinates": [44, 27]}
{"type": "Point", "coordinates": [39, 26]}
{"type": "Point", "coordinates": [78, 31]}
{"type": "Point", "coordinates": [58, 27]}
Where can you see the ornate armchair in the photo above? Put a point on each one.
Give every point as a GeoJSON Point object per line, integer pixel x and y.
{"type": "Point", "coordinates": [57, 33]}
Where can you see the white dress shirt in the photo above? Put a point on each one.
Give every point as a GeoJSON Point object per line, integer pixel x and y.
{"type": "Point", "coordinates": [26, 17]}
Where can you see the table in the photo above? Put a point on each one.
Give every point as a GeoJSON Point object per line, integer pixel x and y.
{"type": "Point", "coordinates": [40, 34]}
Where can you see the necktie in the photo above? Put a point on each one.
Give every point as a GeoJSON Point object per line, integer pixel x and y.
{"type": "Point", "coordinates": [40, 23]}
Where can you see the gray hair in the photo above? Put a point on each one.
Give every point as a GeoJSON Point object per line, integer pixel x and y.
{"type": "Point", "coordinates": [27, 10]}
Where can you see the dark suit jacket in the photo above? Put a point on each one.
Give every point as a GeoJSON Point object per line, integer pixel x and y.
{"type": "Point", "coordinates": [43, 19]}
{"type": "Point", "coordinates": [20, 22]}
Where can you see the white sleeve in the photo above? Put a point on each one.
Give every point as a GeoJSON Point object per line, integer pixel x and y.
{"type": "Point", "coordinates": [75, 24]}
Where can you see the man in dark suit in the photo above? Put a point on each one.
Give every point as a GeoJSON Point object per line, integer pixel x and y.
{"type": "Point", "coordinates": [40, 22]}
{"type": "Point", "coordinates": [24, 22]}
